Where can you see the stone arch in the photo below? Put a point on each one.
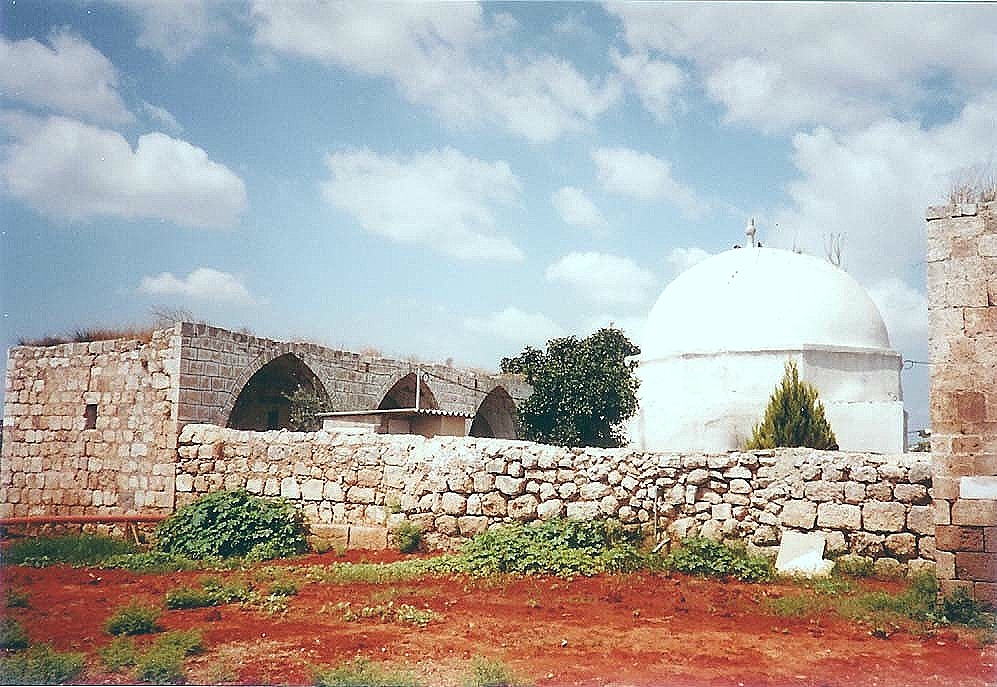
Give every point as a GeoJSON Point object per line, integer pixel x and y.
{"type": "Point", "coordinates": [496, 416]}
{"type": "Point", "coordinates": [402, 394]}
{"type": "Point", "coordinates": [258, 398]}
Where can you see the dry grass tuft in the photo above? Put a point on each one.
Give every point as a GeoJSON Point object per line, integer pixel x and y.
{"type": "Point", "coordinates": [973, 185]}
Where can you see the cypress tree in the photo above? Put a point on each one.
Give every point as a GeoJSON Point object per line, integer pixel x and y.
{"type": "Point", "coordinates": [793, 417]}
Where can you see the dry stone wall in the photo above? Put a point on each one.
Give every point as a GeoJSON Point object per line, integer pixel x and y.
{"type": "Point", "coordinates": [357, 486]}
{"type": "Point", "coordinates": [962, 342]}
{"type": "Point", "coordinates": [90, 428]}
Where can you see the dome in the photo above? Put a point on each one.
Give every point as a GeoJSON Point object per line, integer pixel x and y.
{"type": "Point", "coordinates": [757, 299]}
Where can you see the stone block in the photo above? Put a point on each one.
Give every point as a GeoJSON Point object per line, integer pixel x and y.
{"type": "Point", "coordinates": [523, 508]}
{"type": "Point", "coordinates": [447, 525]}
{"type": "Point", "coordinates": [977, 512]}
{"type": "Point", "coordinates": [360, 495]}
{"type": "Point", "coordinates": [510, 486]}
{"type": "Point", "coordinates": [901, 546]}
{"type": "Point", "coordinates": [453, 504]}
{"type": "Point", "coordinates": [979, 567]}
{"type": "Point", "coordinates": [990, 539]}
{"type": "Point", "coordinates": [721, 511]}
{"type": "Point", "coordinates": [289, 488]}
{"type": "Point", "coordinates": [698, 476]}
{"type": "Point", "coordinates": [839, 516]}
{"type": "Point", "coordinates": [553, 508]}
{"type": "Point", "coordinates": [854, 492]}
{"type": "Point", "coordinates": [311, 490]}
{"type": "Point", "coordinates": [865, 544]}
{"type": "Point", "coordinates": [959, 538]}
{"type": "Point", "coordinates": [799, 514]}
{"type": "Point", "coordinates": [470, 525]}
{"type": "Point", "coordinates": [978, 487]}
{"type": "Point", "coordinates": [184, 482]}
{"type": "Point", "coordinates": [911, 493]}
{"type": "Point", "coordinates": [493, 504]}
{"type": "Point", "coordinates": [920, 473]}
{"type": "Point", "coordinates": [888, 568]}
{"type": "Point", "coordinates": [593, 491]}
{"type": "Point", "coordinates": [823, 491]}
{"type": "Point", "coordinates": [884, 517]}
{"type": "Point", "coordinates": [944, 565]}
{"type": "Point", "coordinates": [921, 519]}
{"type": "Point", "coordinates": [583, 510]}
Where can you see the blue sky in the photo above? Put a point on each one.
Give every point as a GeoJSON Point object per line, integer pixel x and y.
{"type": "Point", "coordinates": [460, 180]}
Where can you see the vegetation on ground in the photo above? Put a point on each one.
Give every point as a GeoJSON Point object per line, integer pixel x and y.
{"type": "Point", "coordinates": [407, 537]}
{"type": "Point", "coordinates": [135, 618]}
{"type": "Point", "coordinates": [492, 672]}
{"type": "Point", "coordinates": [12, 634]}
{"type": "Point", "coordinates": [40, 665]}
{"type": "Point", "coordinates": [75, 549]}
{"type": "Point", "coordinates": [162, 662]}
{"type": "Point", "coordinates": [363, 673]}
{"type": "Point", "coordinates": [583, 389]}
{"type": "Point", "coordinates": [705, 557]}
{"type": "Point", "coordinates": [16, 598]}
{"type": "Point", "coordinates": [234, 523]}
{"type": "Point", "coordinates": [794, 417]}
{"type": "Point", "coordinates": [405, 614]}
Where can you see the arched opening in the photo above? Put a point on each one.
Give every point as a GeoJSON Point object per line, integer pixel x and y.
{"type": "Point", "coordinates": [402, 395]}
{"type": "Point", "coordinates": [264, 404]}
{"type": "Point", "coordinates": [496, 416]}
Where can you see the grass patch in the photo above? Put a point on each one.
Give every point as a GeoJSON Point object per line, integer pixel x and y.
{"type": "Point", "coordinates": [16, 598]}
{"type": "Point", "coordinates": [492, 672]}
{"type": "Point", "coordinates": [74, 549]}
{"type": "Point", "coordinates": [120, 653]}
{"type": "Point", "coordinates": [380, 573]}
{"type": "Point", "coordinates": [407, 537]}
{"type": "Point", "coordinates": [134, 619]}
{"type": "Point", "coordinates": [40, 665]}
{"type": "Point", "coordinates": [12, 634]}
{"type": "Point", "coordinates": [157, 562]}
{"type": "Point", "coordinates": [162, 662]}
{"type": "Point", "coordinates": [707, 558]}
{"type": "Point", "coordinates": [363, 673]}
{"type": "Point", "coordinates": [851, 565]}
{"type": "Point", "coordinates": [405, 614]}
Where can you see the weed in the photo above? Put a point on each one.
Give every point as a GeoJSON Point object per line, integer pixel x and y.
{"type": "Point", "coordinates": [959, 607]}
{"type": "Point", "coordinates": [491, 672]}
{"type": "Point", "coordinates": [40, 665]}
{"type": "Point", "coordinates": [156, 562]}
{"type": "Point", "coordinates": [76, 549]}
{"type": "Point", "coordinates": [134, 619]}
{"type": "Point", "coordinates": [120, 653]}
{"type": "Point", "coordinates": [407, 537]}
{"type": "Point", "coordinates": [162, 663]}
{"type": "Point", "coordinates": [362, 673]}
{"type": "Point", "coordinates": [853, 566]}
{"type": "Point", "coordinates": [388, 613]}
{"type": "Point", "coordinates": [283, 588]}
{"type": "Point", "coordinates": [699, 556]}
{"type": "Point", "coordinates": [12, 634]}
{"type": "Point", "coordinates": [16, 598]}
{"type": "Point", "coordinates": [224, 593]}
{"type": "Point", "coordinates": [188, 597]}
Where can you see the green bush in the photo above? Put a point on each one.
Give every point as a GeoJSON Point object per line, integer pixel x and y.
{"type": "Point", "coordinates": [959, 607]}
{"type": "Point", "coordinates": [188, 597]}
{"type": "Point", "coordinates": [233, 523]}
{"type": "Point", "coordinates": [120, 653]}
{"type": "Point", "coordinates": [491, 673]}
{"type": "Point", "coordinates": [699, 556]}
{"type": "Point", "coordinates": [794, 417]}
{"type": "Point", "coordinates": [40, 665]}
{"type": "Point", "coordinates": [134, 619]}
{"type": "Point", "coordinates": [554, 547]}
{"type": "Point", "coordinates": [362, 673]}
{"type": "Point", "coordinates": [407, 536]}
{"type": "Point", "coordinates": [12, 634]}
{"type": "Point", "coordinates": [16, 598]}
{"type": "Point", "coordinates": [76, 549]}
{"type": "Point", "coordinates": [162, 663]}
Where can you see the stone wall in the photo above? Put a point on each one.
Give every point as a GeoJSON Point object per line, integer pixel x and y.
{"type": "Point", "coordinates": [962, 320]}
{"type": "Point", "coordinates": [90, 428]}
{"type": "Point", "coordinates": [868, 504]}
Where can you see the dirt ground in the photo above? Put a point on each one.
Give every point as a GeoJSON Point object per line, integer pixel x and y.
{"type": "Point", "coordinates": [638, 630]}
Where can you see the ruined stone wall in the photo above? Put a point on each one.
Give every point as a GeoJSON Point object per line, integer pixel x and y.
{"type": "Point", "coordinates": [216, 364]}
{"type": "Point", "coordinates": [53, 464]}
{"type": "Point", "coordinates": [868, 504]}
{"type": "Point", "coordinates": [962, 320]}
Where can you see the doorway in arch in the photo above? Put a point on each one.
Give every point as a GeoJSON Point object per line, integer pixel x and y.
{"type": "Point", "coordinates": [496, 416]}
{"type": "Point", "coordinates": [264, 401]}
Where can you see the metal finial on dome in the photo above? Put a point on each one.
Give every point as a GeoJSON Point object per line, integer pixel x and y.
{"type": "Point", "coordinates": [750, 231]}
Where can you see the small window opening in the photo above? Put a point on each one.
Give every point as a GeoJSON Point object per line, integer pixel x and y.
{"type": "Point", "coordinates": [90, 416]}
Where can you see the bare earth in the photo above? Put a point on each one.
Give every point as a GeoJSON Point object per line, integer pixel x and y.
{"type": "Point", "coordinates": [637, 630]}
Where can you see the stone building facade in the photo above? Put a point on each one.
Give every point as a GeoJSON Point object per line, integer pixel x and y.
{"type": "Point", "coordinates": [962, 319]}
{"type": "Point", "coordinates": [91, 428]}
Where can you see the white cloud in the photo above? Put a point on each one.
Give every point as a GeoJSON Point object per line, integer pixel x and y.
{"type": "Point", "coordinates": [441, 198]}
{"type": "Point", "coordinates": [643, 176]}
{"type": "Point", "coordinates": [604, 279]}
{"type": "Point", "coordinates": [204, 284]}
{"type": "Point", "coordinates": [428, 50]}
{"type": "Point", "coordinates": [162, 117]}
{"type": "Point", "coordinates": [681, 259]}
{"type": "Point", "coordinates": [841, 64]}
{"type": "Point", "coordinates": [174, 28]}
{"type": "Point", "coordinates": [66, 168]}
{"type": "Point", "coordinates": [656, 82]}
{"type": "Point", "coordinates": [905, 311]}
{"type": "Point", "coordinates": [576, 209]}
{"type": "Point", "coordinates": [872, 186]}
{"type": "Point", "coordinates": [514, 325]}
{"type": "Point", "coordinates": [70, 77]}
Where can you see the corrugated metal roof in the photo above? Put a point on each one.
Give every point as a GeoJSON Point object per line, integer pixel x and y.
{"type": "Point", "coordinates": [399, 411]}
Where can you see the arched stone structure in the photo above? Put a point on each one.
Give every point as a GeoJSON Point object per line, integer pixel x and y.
{"type": "Point", "coordinates": [402, 394]}
{"type": "Point", "coordinates": [496, 416]}
{"type": "Point", "coordinates": [262, 401]}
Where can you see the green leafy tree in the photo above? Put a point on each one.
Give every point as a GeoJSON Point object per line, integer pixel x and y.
{"type": "Point", "coordinates": [306, 404]}
{"type": "Point", "coordinates": [794, 417]}
{"type": "Point", "coordinates": [583, 389]}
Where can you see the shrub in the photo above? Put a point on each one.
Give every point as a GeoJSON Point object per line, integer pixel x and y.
{"type": "Point", "coordinates": [794, 417]}
{"type": "Point", "coordinates": [12, 634]}
{"type": "Point", "coordinates": [120, 653]}
{"type": "Point", "coordinates": [554, 547]}
{"type": "Point", "coordinates": [699, 556]}
{"type": "Point", "coordinates": [491, 673]}
{"type": "Point", "coordinates": [959, 607]}
{"type": "Point", "coordinates": [188, 597]}
{"type": "Point", "coordinates": [40, 665]}
{"type": "Point", "coordinates": [75, 549]}
{"type": "Point", "coordinates": [134, 619]}
{"type": "Point", "coordinates": [162, 663]}
{"type": "Point", "coordinates": [16, 598]}
{"type": "Point", "coordinates": [362, 673]}
{"type": "Point", "coordinates": [407, 536]}
{"type": "Point", "coordinates": [233, 523]}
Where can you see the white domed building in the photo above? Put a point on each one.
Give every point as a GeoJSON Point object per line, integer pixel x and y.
{"type": "Point", "coordinates": [718, 339]}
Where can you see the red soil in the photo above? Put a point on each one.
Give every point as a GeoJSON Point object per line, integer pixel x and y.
{"type": "Point", "coordinates": [638, 630]}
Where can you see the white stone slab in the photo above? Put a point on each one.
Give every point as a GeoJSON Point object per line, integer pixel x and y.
{"type": "Point", "coordinates": [978, 487]}
{"type": "Point", "coordinates": [802, 554]}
